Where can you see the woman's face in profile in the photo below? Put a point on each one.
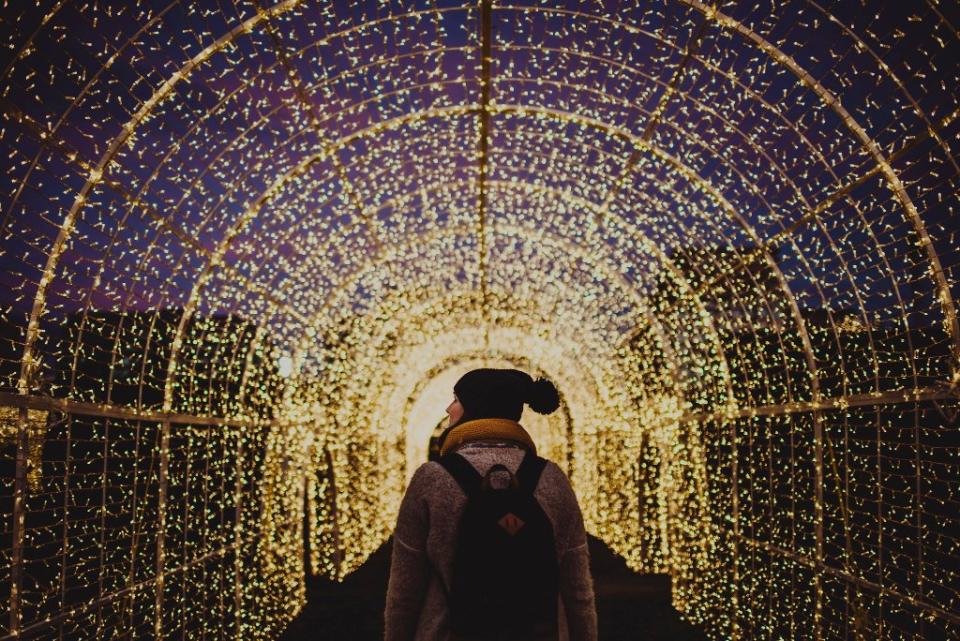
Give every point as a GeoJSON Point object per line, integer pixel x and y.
{"type": "Point", "coordinates": [454, 410]}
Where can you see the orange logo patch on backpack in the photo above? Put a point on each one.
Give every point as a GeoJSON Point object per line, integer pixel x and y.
{"type": "Point", "coordinates": [511, 523]}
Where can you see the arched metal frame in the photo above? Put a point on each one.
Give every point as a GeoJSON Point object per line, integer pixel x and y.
{"type": "Point", "coordinates": [763, 193]}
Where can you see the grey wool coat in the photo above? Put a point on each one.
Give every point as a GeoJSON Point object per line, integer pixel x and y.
{"type": "Point", "coordinates": [425, 538]}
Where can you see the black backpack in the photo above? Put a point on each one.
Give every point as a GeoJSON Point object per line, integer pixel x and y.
{"type": "Point", "coordinates": [505, 570]}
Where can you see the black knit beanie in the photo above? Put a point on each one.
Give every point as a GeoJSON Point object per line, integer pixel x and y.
{"type": "Point", "coordinates": [501, 393]}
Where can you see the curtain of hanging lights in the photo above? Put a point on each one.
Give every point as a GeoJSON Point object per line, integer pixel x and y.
{"type": "Point", "coordinates": [248, 248]}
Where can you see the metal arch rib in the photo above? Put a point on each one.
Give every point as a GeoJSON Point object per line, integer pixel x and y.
{"type": "Point", "coordinates": [868, 144]}
{"type": "Point", "coordinates": [95, 174]}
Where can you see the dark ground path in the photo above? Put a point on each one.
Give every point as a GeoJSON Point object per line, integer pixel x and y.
{"type": "Point", "coordinates": [630, 607]}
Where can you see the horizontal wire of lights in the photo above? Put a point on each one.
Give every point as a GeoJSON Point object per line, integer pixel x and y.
{"type": "Point", "coordinates": [249, 247]}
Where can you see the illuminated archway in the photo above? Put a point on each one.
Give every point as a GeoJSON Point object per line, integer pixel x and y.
{"type": "Point", "coordinates": [248, 246]}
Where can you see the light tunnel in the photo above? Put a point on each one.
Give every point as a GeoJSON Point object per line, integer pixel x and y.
{"type": "Point", "coordinates": [249, 247]}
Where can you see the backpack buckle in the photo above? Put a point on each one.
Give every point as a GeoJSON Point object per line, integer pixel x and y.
{"type": "Point", "coordinates": [485, 483]}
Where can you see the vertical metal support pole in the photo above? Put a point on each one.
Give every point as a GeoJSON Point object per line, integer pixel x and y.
{"type": "Point", "coordinates": [793, 521]}
{"type": "Point", "coordinates": [334, 515]}
{"type": "Point", "coordinates": [135, 523]}
{"type": "Point", "coordinates": [161, 526]}
{"type": "Point", "coordinates": [735, 508]}
{"type": "Point", "coordinates": [918, 508]}
{"type": "Point", "coordinates": [848, 545]}
{"type": "Point", "coordinates": [641, 491]}
{"type": "Point", "coordinates": [185, 532]}
{"type": "Point", "coordinates": [486, 29]}
{"type": "Point", "coordinates": [309, 524]}
{"type": "Point", "coordinates": [19, 500]}
{"type": "Point", "coordinates": [880, 510]}
{"type": "Point", "coordinates": [237, 539]}
{"type": "Point", "coordinates": [66, 520]}
{"type": "Point", "coordinates": [205, 490]}
{"type": "Point", "coordinates": [103, 523]}
{"type": "Point", "coordinates": [570, 452]}
{"type": "Point", "coordinates": [818, 523]}
{"type": "Point", "coordinates": [221, 505]}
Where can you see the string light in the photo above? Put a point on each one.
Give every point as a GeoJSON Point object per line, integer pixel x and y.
{"type": "Point", "coordinates": [249, 248]}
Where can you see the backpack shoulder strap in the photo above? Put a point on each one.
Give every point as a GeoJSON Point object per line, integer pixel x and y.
{"type": "Point", "coordinates": [528, 474]}
{"type": "Point", "coordinates": [462, 472]}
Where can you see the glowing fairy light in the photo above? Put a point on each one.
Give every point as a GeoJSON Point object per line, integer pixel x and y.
{"type": "Point", "coordinates": [285, 366]}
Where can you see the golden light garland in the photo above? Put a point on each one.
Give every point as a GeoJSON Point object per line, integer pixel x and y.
{"type": "Point", "coordinates": [249, 247]}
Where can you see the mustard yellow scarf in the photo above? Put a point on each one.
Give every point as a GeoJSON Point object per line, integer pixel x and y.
{"type": "Point", "coordinates": [487, 428]}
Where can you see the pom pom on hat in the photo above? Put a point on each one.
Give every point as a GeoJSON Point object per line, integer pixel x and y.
{"type": "Point", "coordinates": [542, 396]}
